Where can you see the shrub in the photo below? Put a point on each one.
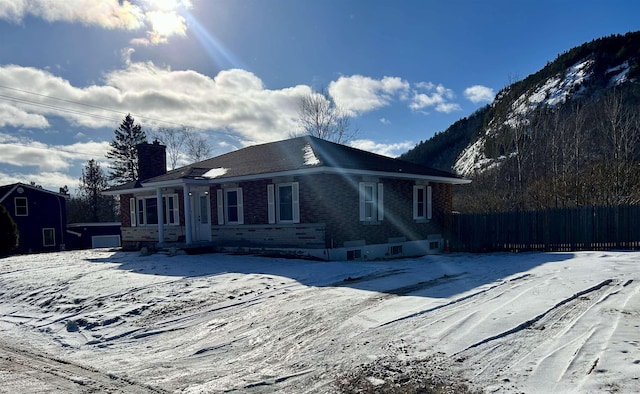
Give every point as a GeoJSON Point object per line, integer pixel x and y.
{"type": "Point", "coordinates": [8, 232]}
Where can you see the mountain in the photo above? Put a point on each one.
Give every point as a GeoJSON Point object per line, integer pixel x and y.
{"type": "Point", "coordinates": [545, 139]}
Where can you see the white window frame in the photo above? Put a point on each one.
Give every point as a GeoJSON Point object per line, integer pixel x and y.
{"type": "Point", "coordinates": [44, 238]}
{"type": "Point", "coordinates": [223, 205]}
{"type": "Point", "coordinates": [139, 216]}
{"type": "Point", "coordinates": [273, 200]}
{"type": "Point", "coordinates": [426, 202]}
{"type": "Point", "coordinates": [26, 205]}
{"type": "Point", "coordinates": [376, 203]}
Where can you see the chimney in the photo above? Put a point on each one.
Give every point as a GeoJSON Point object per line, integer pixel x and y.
{"type": "Point", "coordinates": [152, 160]}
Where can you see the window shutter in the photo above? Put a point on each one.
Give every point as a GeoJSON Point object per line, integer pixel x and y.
{"type": "Point", "coordinates": [295, 202]}
{"type": "Point", "coordinates": [220, 206]}
{"type": "Point", "coordinates": [240, 208]}
{"type": "Point", "coordinates": [380, 202]}
{"type": "Point", "coordinates": [362, 208]}
{"type": "Point", "coordinates": [132, 211]}
{"type": "Point", "coordinates": [271, 196]}
{"type": "Point", "coordinates": [415, 201]}
{"type": "Point", "coordinates": [429, 206]}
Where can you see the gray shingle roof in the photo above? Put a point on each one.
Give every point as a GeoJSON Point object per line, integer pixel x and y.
{"type": "Point", "coordinates": [297, 154]}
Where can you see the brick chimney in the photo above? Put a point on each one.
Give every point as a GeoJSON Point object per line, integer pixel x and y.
{"type": "Point", "coordinates": [152, 160]}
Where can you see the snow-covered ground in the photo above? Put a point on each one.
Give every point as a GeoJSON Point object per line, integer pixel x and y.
{"type": "Point", "coordinates": [116, 321]}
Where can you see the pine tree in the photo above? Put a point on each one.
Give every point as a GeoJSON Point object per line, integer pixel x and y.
{"type": "Point", "coordinates": [128, 135]}
{"type": "Point", "coordinates": [95, 206]}
{"type": "Point", "coordinates": [8, 232]}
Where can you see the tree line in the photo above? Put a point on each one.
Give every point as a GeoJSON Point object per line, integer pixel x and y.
{"type": "Point", "coordinates": [586, 152]}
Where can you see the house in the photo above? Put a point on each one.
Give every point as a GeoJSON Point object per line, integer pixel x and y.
{"type": "Point", "coordinates": [305, 196]}
{"type": "Point", "coordinates": [39, 214]}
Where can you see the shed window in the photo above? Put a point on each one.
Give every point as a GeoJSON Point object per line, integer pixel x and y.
{"type": "Point", "coordinates": [22, 208]}
{"type": "Point", "coordinates": [49, 236]}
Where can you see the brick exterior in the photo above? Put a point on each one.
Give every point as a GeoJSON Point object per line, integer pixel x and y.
{"type": "Point", "coordinates": [329, 214]}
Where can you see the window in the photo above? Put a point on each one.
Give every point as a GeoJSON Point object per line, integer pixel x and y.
{"type": "Point", "coordinates": [144, 210]}
{"type": "Point", "coordinates": [395, 250]}
{"type": "Point", "coordinates": [230, 209]}
{"type": "Point", "coordinates": [283, 201]}
{"type": "Point", "coordinates": [49, 236]}
{"type": "Point", "coordinates": [422, 202]}
{"type": "Point", "coordinates": [22, 208]}
{"type": "Point", "coordinates": [371, 202]}
{"type": "Point", "coordinates": [354, 254]}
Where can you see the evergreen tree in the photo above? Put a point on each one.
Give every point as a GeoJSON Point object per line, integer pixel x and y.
{"type": "Point", "coordinates": [8, 232]}
{"type": "Point", "coordinates": [123, 153]}
{"type": "Point", "coordinates": [90, 205]}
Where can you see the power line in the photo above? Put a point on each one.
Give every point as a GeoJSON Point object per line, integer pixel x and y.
{"type": "Point", "coordinates": [77, 112]}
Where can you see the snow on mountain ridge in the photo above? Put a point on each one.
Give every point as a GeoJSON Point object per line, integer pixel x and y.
{"type": "Point", "coordinates": [554, 91]}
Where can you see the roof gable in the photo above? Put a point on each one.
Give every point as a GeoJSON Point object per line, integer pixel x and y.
{"type": "Point", "coordinates": [6, 190]}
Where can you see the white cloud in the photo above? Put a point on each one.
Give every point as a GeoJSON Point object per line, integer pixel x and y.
{"type": "Point", "coordinates": [391, 150]}
{"type": "Point", "coordinates": [478, 93]}
{"type": "Point", "coordinates": [52, 181]}
{"type": "Point", "coordinates": [385, 121]}
{"type": "Point", "coordinates": [234, 100]}
{"type": "Point", "coordinates": [23, 152]}
{"type": "Point", "coordinates": [358, 94]}
{"type": "Point", "coordinates": [160, 18]}
{"type": "Point", "coordinates": [432, 95]}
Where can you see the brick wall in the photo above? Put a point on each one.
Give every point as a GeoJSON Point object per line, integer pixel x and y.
{"type": "Point", "coordinates": [329, 202]}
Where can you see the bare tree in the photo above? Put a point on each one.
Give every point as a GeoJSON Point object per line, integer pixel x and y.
{"type": "Point", "coordinates": [197, 146]}
{"type": "Point", "coordinates": [174, 140]}
{"type": "Point", "coordinates": [320, 116]}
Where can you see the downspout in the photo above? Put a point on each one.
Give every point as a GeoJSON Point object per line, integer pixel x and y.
{"type": "Point", "coordinates": [62, 230]}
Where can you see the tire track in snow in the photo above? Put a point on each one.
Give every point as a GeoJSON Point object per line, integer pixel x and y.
{"type": "Point", "coordinates": [22, 368]}
{"type": "Point", "coordinates": [493, 356]}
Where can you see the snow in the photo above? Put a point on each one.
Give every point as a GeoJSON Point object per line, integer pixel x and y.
{"type": "Point", "coordinates": [509, 323]}
{"type": "Point", "coordinates": [555, 90]}
{"type": "Point", "coordinates": [215, 172]}
{"type": "Point", "coordinates": [310, 158]}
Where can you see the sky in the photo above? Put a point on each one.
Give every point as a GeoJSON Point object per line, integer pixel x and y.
{"type": "Point", "coordinates": [234, 71]}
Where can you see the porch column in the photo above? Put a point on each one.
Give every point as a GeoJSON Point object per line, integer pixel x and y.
{"type": "Point", "coordinates": [160, 216]}
{"type": "Point", "coordinates": [187, 214]}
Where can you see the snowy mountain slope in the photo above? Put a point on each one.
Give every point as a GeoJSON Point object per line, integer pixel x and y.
{"type": "Point", "coordinates": [120, 322]}
{"type": "Point", "coordinates": [585, 72]}
{"type": "Point", "coordinates": [555, 91]}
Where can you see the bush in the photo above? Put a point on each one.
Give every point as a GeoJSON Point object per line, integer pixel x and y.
{"type": "Point", "coordinates": [8, 232]}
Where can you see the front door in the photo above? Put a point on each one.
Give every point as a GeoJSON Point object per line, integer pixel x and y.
{"type": "Point", "coordinates": [201, 220]}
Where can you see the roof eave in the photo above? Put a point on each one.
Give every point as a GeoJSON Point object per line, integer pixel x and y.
{"type": "Point", "coordinates": [304, 171]}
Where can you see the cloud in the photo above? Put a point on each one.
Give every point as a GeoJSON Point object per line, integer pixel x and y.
{"type": "Point", "coordinates": [385, 121]}
{"type": "Point", "coordinates": [358, 94]}
{"type": "Point", "coordinates": [51, 181]}
{"type": "Point", "coordinates": [22, 152]}
{"type": "Point", "coordinates": [234, 100]}
{"type": "Point", "coordinates": [478, 94]}
{"type": "Point", "coordinates": [391, 150]}
{"type": "Point", "coordinates": [436, 96]}
{"type": "Point", "coordinates": [161, 18]}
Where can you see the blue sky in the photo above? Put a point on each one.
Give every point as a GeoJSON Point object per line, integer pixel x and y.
{"type": "Point", "coordinates": [234, 70]}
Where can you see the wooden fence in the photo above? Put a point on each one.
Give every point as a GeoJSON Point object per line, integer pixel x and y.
{"type": "Point", "coordinates": [564, 229]}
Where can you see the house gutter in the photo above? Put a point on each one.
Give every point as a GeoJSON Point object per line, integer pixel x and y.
{"type": "Point", "coordinates": [310, 171]}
